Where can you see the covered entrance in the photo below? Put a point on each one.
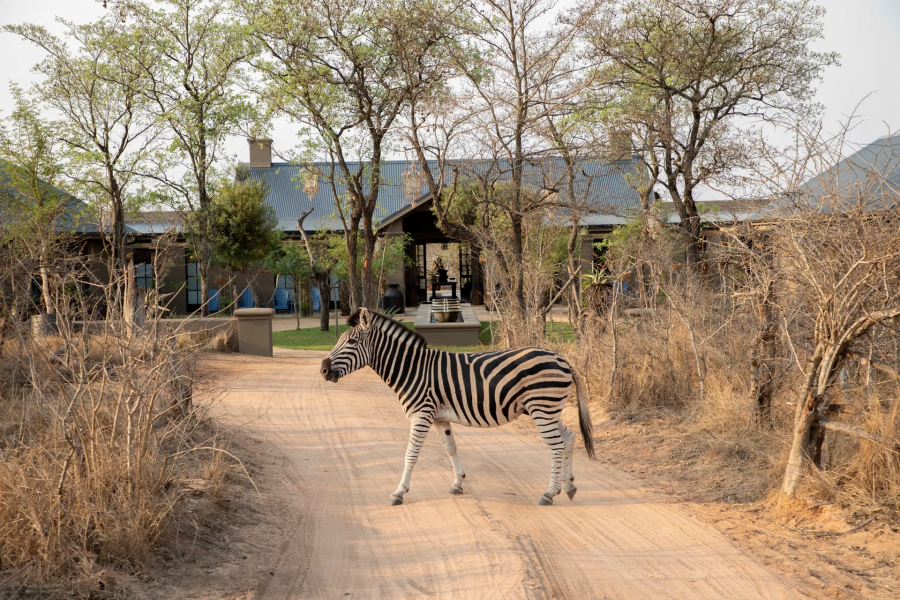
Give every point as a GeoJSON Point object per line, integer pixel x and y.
{"type": "Point", "coordinates": [454, 257]}
{"type": "Point", "coordinates": [431, 246]}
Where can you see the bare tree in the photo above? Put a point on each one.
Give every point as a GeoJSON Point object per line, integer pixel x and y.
{"type": "Point", "coordinates": [518, 70]}
{"type": "Point", "coordinates": [847, 261]}
{"type": "Point", "coordinates": [834, 243]}
{"type": "Point", "coordinates": [687, 71]}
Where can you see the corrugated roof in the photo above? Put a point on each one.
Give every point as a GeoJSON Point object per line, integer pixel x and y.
{"type": "Point", "coordinates": [873, 172]}
{"type": "Point", "coordinates": [71, 219]}
{"type": "Point", "coordinates": [602, 183]}
{"type": "Point", "coordinates": [154, 222]}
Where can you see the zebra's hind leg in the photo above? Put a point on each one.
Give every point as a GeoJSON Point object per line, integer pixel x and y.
{"type": "Point", "coordinates": [449, 444]}
{"type": "Point", "coordinates": [418, 429]}
{"type": "Point", "coordinates": [567, 476]}
{"type": "Point", "coordinates": [548, 426]}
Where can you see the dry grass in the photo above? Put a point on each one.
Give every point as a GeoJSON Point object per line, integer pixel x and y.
{"type": "Point", "coordinates": [715, 433]}
{"type": "Point", "coordinates": [862, 474]}
{"type": "Point", "coordinates": [96, 435]}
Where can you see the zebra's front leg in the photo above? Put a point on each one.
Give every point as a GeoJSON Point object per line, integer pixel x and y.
{"type": "Point", "coordinates": [418, 429]}
{"type": "Point", "coordinates": [449, 444]}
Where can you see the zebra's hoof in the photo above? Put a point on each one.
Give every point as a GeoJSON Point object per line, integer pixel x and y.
{"type": "Point", "coordinates": [571, 493]}
{"type": "Point", "coordinates": [544, 501]}
{"type": "Point", "coordinates": [396, 500]}
{"type": "Point", "coordinates": [456, 490]}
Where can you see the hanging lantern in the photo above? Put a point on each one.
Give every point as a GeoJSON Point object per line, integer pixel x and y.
{"type": "Point", "coordinates": [412, 182]}
{"type": "Point", "coordinates": [310, 179]}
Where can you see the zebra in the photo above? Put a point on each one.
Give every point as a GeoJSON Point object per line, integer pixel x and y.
{"type": "Point", "coordinates": [485, 389]}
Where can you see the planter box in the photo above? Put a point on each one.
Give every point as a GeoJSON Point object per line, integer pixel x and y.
{"type": "Point", "coordinates": [254, 326]}
{"type": "Point", "coordinates": [448, 334]}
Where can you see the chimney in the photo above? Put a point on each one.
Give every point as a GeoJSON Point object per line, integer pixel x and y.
{"type": "Point", "coordinates": [260, 152]}
{"type": "Point", "coordinates": [619, 144]}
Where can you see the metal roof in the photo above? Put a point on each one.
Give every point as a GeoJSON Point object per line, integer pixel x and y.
{"type": "Point", "coordinates": [154, 223]}
{"type": "Point", "coordinates": [602, 184]}
{"type": "Point", "coordinates": [871, 174]}
{"type": "Point", "coordinates": [73, 218]}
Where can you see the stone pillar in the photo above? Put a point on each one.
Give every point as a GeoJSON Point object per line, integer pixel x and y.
{"type": "Point", "coordinates": [254, 329]}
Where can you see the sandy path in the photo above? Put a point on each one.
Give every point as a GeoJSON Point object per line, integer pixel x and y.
{"type": "Point", "coordinates": [343, 449]}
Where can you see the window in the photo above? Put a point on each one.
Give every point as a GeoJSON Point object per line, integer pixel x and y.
{"type": "Point", "coordinates": [286, 282]}
{"type": "Point", "coordinates": [465, 263]}
{"type": "Point", "coordinates": [143, 269]}
{"type": "Point", "coordinates": [192, 276]}
{"type": "Point", "coordinates": [143, 276]}
{"type": "Point", "coordinates": [422, 271]}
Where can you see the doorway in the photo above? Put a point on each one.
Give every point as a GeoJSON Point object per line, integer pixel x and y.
{"type": "Point", "coordinates": [455, 257]}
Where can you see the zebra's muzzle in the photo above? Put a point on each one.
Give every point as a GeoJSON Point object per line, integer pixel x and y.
{"type": "Point", "coordinates": [327, 372]}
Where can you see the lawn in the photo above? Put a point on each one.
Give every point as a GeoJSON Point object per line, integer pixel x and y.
{"type": "Point", "coordinates": [313, 339]}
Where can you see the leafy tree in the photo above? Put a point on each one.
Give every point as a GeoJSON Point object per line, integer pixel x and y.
{"type": "Point", "coordinates": [100, 93]}
{"type": "Point", "coordinates": [685, 73]}
{"type": "Point", "coordinates": [333, 66]}
{"type": "Point", "coordinates": [30, 171]}
{"type": "Point", "coordinates": [322, 264]}
{"type": "Point", "coordinates": [290, 260]}
{"type": "Point", "coordinates": [245, 228]}
{"type": "Point", "coordinates": [390, 255]}
{"type": "Point", "coordinates": [195, 60]}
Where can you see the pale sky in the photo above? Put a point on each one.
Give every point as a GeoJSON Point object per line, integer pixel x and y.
{"type": "Point", "coordinates": [866, 33]}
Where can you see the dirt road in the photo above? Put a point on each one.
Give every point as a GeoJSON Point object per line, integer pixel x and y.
{"type": "Point", "coordinates": [343, 446]}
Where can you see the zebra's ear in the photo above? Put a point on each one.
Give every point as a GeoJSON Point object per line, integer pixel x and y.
{"type": "Point", "coordinates": [365, 318]}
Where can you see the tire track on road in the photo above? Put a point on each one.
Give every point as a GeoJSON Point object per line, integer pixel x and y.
{"type": "Point", "coordinates": [344, 448]}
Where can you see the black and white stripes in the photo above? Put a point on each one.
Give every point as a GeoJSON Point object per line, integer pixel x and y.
{"type": "Point", "coordinates": [485, 389]}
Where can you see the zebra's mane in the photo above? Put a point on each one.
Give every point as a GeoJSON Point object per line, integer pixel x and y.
{"type": "Point", "coordinates": [391, 327]}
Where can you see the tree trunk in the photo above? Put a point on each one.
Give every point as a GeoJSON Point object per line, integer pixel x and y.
{"type": "Point", "coordinates": [117, 225]}
{"type": "Point", "coordinates": [575, 304]}
{"type": "Point", "coordinates": [43, 259]}
{"type": "Point", "coordinates": [351, 238]}
{"type": "Point", "coordinates": [203, 272]}
{"type": "Point", "coordinates": [691, 229]}
{"type": "Point", "coordinates": [802, 445]}
{"type": "Point", "coordinates": [45, 289]}
{"type": "Point", "coordinates": [689, 219]}
{"type": "Point", "coordinates": [323, 282]}
{"type": "Point", "coordinates": [762, 383]}
{"type": "Point", "coordinates": [129, 300]}
{"type": "Point", "coordinates": [804, 419]}
{"type": "Point", "coordinates": [344, 299]}
{"type": "Point", "coordinates": [369, 277]}
{"type": "Point", "coordinates": [205, 250]}
{"type": "Point", "coordinates": [518, 271]}
{"type": "Point", "coordinates": [297, 302]}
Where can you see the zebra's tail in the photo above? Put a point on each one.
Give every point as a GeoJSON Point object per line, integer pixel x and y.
{"type": "Point", "coordinates": [584, 416]}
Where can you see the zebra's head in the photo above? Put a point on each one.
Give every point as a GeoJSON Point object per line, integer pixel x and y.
{"type": "Point", "coordinates": [351, 351]}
